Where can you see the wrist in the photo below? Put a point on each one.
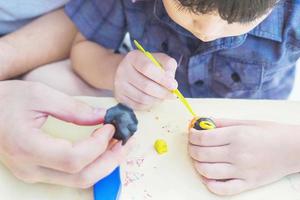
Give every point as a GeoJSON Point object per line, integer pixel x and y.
{"type": "Point", "coordinates": [106, 75]}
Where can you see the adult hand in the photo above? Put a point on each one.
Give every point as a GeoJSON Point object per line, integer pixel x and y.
{"type": "Point", "coordinates": [34, 156]}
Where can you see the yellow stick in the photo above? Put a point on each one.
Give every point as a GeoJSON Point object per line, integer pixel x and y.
{"type": "Point", "coordinates": [157, 64]}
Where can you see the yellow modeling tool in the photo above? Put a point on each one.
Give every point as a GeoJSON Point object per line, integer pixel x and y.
{"type": "Point", "coordinates": [199, 123]}
{"type": "Point", "coordinates": [157, 64]}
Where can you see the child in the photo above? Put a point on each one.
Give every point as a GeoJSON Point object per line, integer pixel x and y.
{"type": "Point", "coordinates": [218, 48]}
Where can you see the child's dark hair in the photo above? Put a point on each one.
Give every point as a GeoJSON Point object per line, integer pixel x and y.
{"type": "Point", "coordinates": [241, 11]}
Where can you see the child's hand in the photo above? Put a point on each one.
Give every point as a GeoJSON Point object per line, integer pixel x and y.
{"type": "Point", "coordinates": [140, 84]}
{"type": "Point", "coordinates": [242, 155]}
{"type": "Point", "coordinates": [34, 156]}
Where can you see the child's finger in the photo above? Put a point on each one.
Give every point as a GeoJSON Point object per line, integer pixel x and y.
{"type": "Point", "coordinates": [64, 156]}
{"type": "Point", "coordinates": [210, 154]}
{"type": "Point", "coordinates": [127, 100]}
{"type": "Point", "coordinates": [169, 64]}
{"type": "Point", "coordinates": [226, 188]}
{"type": "Point", "coordinates": [216, 171]}
{"type": "Point", "coordinates": [215, 137]}
{"type": "Point", "coordinates": [138, 95]}
{"type": "Point", "coordinates": [148, 86]}
{"type": "Point", "coordinates": [148, 69]}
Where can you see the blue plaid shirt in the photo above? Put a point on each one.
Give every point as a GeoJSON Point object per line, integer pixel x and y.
{"type": "Point", "coordinates": [258, 65]}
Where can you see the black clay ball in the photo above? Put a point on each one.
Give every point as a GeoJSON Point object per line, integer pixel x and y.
{"type": "Point", "coordinates": [124, 120]}
{"type": "Point", "coordinates": [204, 124]}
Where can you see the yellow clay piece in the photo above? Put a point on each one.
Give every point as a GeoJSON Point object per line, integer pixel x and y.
{"type": "Point", "coordinates": [161, 146]}
{"type": "Point", "coordinates": [207, 125]}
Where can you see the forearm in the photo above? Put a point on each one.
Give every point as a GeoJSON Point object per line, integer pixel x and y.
{"type": "Point", "coordinates": [293, 133]}
{"type": "Point", "coordinates": [95, 64]}
{"type": "Point", "coordinates": [43, 41]}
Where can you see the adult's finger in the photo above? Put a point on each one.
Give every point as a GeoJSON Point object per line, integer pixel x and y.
{"type": "Point", "coordinates": [60, 154]}
{"type": "Point", "coordinates": [105, 164]}
{"type": "Point", "coordinates": [97, 170]}
{"type": "Point", "coordinates": [66, 108]}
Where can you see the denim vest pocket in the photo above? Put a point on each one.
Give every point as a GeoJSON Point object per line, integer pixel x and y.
{"type": "Point", "coordinates": [234, 78]}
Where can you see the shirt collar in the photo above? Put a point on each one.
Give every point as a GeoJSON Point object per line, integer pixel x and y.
{"type": "Point", "coordinates": [272, 27]}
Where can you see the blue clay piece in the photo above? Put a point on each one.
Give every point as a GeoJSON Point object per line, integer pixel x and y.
{"type": "Point", "coordinates": [108, 188]}
{"type": "Point", "coordinates": [124, 120]}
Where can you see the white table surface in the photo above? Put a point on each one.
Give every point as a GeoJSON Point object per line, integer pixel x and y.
{"type": "Point", "coordinates": [147, 175]}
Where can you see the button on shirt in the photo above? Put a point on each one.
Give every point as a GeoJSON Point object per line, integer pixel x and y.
{"type": "Point", "coordinates": [258, 65]}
